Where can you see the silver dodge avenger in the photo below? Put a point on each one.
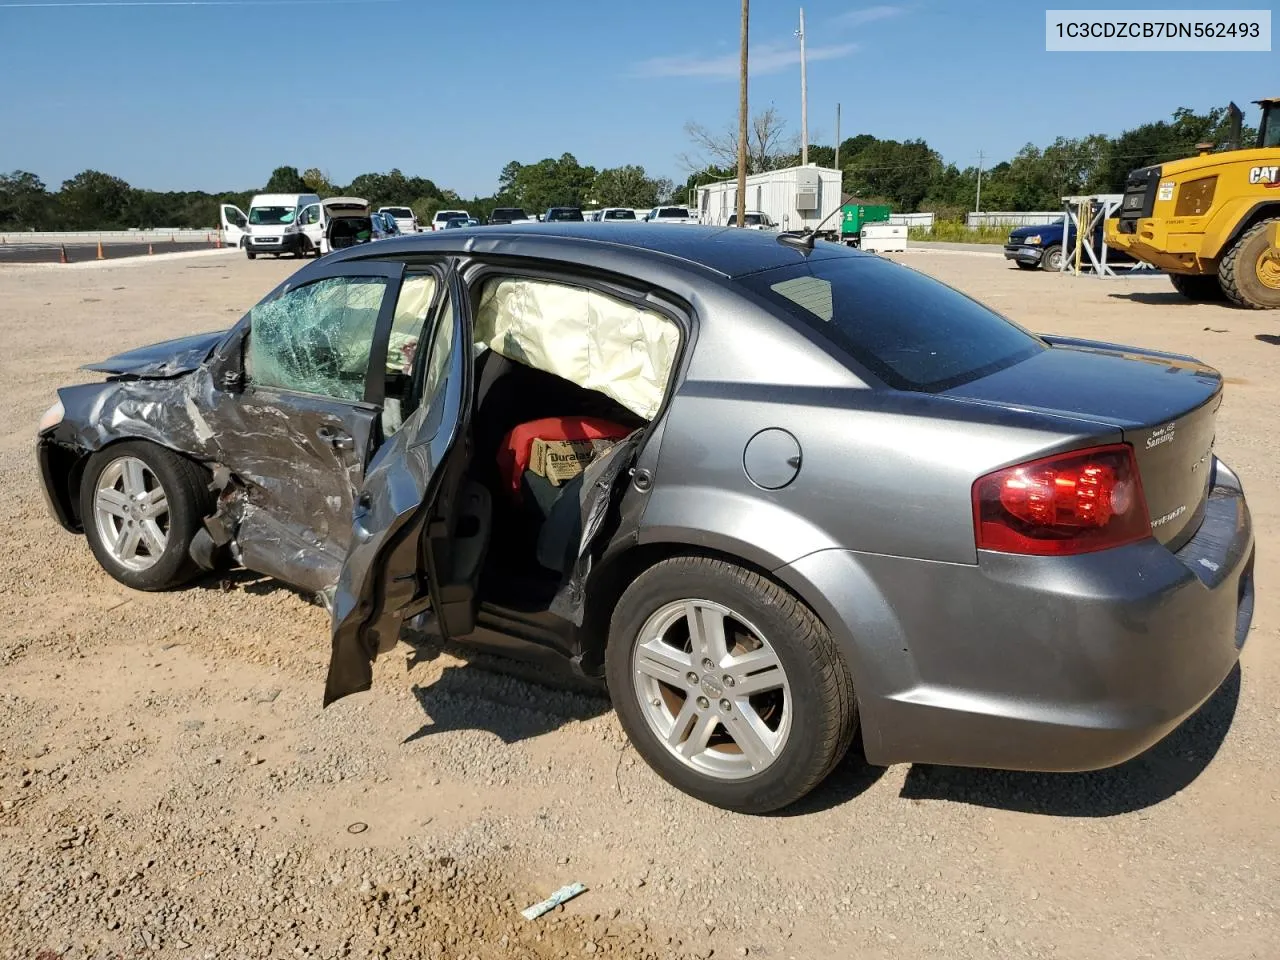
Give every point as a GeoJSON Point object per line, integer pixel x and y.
{"type": "Point", "coordinates": [775, 494]}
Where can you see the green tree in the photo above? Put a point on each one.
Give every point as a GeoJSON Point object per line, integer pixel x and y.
{"type": "Point", "coordinates": [552, 183]}
{"type": "Point", "coordinates": [316, 180]}
{"type": "Point", "coordinates": [628, 186]}
{"type": "Point", "coordinates": [24, 202]}
{"type": "Point", "coordinates": [285, 180]}
{"type": "Point", "coordinates": [92, 200]}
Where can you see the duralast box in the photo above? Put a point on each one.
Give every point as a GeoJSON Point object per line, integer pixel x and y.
{"type": "Point", "coordinates": [562, 460]}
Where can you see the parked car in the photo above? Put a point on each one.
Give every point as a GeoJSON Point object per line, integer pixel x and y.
{"type": "Point", "coordinates": [459, 222]}
{"type": "Point", "coordinates": [563, 215]}
{"type": "Point", "coordinates": [501, 215]}
{"type": "Point", "coordinates": [444, 216]}
{"type": "Point", "coordinates": [339, 222]}
{"type": "Point", "coordinates": [789, 496]}
{"type": "Point", "coordinates": [671, 215]}
{"type": "Point", "coordinates": [1042, 246]}
{"type": "Point", "coordinates": [617, 215]}
{"type": "Point", "coordinates": [754, 220]}
{"type": "Point", "coordinates": [385, 226]}
{"type": "Point", "coordinates": [405, 219]}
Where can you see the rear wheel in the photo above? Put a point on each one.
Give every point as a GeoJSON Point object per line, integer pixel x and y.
{"type": "Point", "coordinates": [141, 506]}
{"type": "Point", "coordinates": [1250, 271]}
{"type": "Point", "coordinates": [1052, 259]}
{"type": "Point", "coordinates": [727, 685]}
{"type": "Point", "coordinates": [1202, 288]}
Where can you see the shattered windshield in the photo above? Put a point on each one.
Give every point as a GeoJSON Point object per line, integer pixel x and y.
{"type": "Point", "coordinates": [316, 339]}
{"type": "Point", "coordinates": [264, 216]}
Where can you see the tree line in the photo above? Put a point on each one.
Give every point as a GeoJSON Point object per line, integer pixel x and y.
{"type": "Point", "coordinates": [909, 175]}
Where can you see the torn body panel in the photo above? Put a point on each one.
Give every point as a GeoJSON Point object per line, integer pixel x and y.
{"type": "Point", "coordinates": [170, 358]}
{"type": "Point", "coordinates": [286, 502]}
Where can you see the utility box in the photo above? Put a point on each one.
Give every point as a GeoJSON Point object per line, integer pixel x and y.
{"type": "Point", "coordinates": [854, 216]}
{"type": "Point", "coordinates": [808, 189]}
{"type": "Point", "coordinates": [883, 238]}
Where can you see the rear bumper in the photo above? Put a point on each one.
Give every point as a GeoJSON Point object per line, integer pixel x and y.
{"type": "Point", "coordinates": [1043, 663]}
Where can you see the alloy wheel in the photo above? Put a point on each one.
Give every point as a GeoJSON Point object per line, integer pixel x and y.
{"type": "Point", "coordinates": [712, 689]}
{"type": "Point", "coordinates": [131, 511]}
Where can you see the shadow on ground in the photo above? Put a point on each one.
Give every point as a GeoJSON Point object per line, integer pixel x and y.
{"type": "Point", "coordinates": [1154, 776]}
{"type": "Point", "coordinates": [510, 699]}
{"type": "Point", "coordinates": [1270, 338]}
{"type": "Point", "coordinates": [1161, 298]}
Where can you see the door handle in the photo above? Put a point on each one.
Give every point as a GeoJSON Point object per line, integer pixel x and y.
{"type": "Point", "coordinates": [338, 439]}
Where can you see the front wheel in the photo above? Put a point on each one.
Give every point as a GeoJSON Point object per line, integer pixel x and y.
{"type": "Point", "coordinates": [1250, 271]}
{"type": "Point", "coordinates": [250, 254]}
{"type": "Point", "coordinates": [728, 685]}
{"type": "Point", "coordinates": [1052, 259]}
{"type": "Point", "coordinates": [141, 505]}
{"type": "Point", "coordinates": [1200, 288]}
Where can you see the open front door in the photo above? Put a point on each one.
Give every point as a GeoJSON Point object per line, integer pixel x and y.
{"type": "Point", "coordinates": [311, 221]}
{"type": "Point", "coordinates": [404, 555]}
{"type": "Point", "coordinates": [234, 225]}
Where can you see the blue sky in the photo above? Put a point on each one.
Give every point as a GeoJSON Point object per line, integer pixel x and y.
{"type": "Point", "coordinates": [213, 96]}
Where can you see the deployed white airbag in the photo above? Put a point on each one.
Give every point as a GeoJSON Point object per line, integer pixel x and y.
{"type": "Point", "coordinates": [595, 341]}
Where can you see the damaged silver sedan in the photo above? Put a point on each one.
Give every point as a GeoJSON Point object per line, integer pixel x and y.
{"type": "Point", "coordinates": [777, 496]}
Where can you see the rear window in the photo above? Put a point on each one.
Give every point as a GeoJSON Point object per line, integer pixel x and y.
{"type": "Point", "coordinates": [400, 213]}
{"type": "Point", "coordinates": [514, 213]}
{"type": "Point", "coordinates": [673, 212]}
{"type": "Point", "coordinates": [446, 215]}
{"type": "Point", "coordinates": [565, 213]}
{"type": "Point", "coordinates": [619, 215]}
{"type": "Point", "coordinates": [911, 331]}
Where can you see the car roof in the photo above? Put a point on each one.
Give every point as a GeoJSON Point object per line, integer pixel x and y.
{"type": "Point", "coordinates": [726, 251]}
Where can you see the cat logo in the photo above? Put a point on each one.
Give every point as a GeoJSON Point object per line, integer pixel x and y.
{"type": "Point", "coordinates": [1267, 176]}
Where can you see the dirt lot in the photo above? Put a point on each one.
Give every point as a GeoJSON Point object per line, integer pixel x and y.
{"type": "Point", "coordinates": [170, 786]}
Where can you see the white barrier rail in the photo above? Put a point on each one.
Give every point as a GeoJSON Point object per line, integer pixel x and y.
{"type": "Point", "coordinates": [47, 237]}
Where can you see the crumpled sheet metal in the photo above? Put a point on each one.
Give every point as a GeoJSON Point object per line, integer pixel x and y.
{"type": "Point", "coordinates": [599, 343]}
{"type": "Point", "coordinates": [189, 415]}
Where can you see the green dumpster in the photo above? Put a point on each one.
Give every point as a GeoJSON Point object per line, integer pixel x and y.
{"type": "Point", "coordinates": [853, 216]}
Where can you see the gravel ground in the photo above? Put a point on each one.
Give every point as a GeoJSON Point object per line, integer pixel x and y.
{"type": "Point", "coordinates": [169, 785]}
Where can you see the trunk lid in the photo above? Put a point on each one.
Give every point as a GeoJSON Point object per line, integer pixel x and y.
{"type": "Point", "coordinates": [1164, 405]}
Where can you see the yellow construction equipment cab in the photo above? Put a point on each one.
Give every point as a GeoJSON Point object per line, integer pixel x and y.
{"type": "Point", "coordinates": [1211, 220]}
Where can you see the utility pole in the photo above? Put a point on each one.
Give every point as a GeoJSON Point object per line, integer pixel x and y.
{"type": "Point", "coordinates": [837, 163]}
{"type": "Point", "coordinates": [977, 203]}
{"type": "Point", "coordinates": [804, 97]}
{"type": "Point", "coordinates": [742, 122]}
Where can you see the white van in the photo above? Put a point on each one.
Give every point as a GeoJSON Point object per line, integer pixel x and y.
{"type": "Point", "coordinates": [272, 225]}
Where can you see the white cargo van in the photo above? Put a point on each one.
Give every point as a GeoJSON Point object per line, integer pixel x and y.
{"type": "Point", "coordinates": [271, 225]}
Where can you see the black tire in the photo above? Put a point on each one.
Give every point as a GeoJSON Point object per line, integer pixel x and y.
{"type": "Point", "coordinates": [1199, 288]}
{"type": "Point", "coordinates": [189, 500]}
{"type": "Point", "coordinates": [250, 254]}
{"type": "Point", "coordinates": [1240, 266]}
{"type": "Point", "coordinates": [1050, 254]}
{"type": "Point", "coordinates": [824, 712]}
{"type": "Point", "coordinates": [1027, 266]}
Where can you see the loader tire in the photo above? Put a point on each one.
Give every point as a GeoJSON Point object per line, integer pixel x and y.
{"type": "Point", "coordinates": [1198, 288]}
{"type": "Point", "coordinates": [1249, 271]}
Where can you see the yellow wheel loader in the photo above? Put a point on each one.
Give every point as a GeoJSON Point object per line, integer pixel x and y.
{"type": "Point", "coordinates": [1211, 221]}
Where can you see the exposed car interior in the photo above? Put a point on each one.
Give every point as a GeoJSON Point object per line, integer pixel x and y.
{"type": "Point", "coordinates": [562, 374]}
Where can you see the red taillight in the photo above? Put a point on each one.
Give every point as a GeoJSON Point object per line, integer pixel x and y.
{"type": "Point", "coordinates": [1075, 502]}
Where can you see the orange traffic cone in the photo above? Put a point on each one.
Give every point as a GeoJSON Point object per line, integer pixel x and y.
{"type": "Point", "coordinates": [62, 253]}
{"type": "Point", "coordinates": [101, 255]}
